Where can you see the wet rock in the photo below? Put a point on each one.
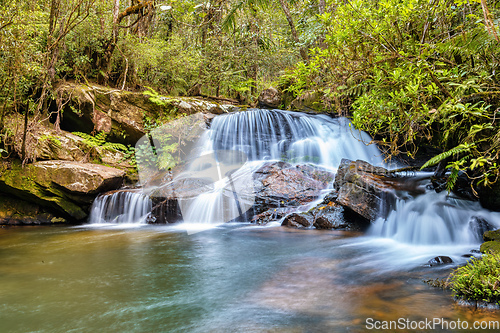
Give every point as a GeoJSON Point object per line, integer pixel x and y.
{"type": "Point", "coordinates": [270, 215]}
{"type": "Point", "coordinates": [65, 187]}
{"type": "Point", "coordinates": [296, 220]}
{"type": "Point", "coordinates": [439, 260]}
{"type": "Point", "coordinates": [279, 184]}
{"type": "Point", "coordinates": [309, 101]}
{"type": "Point", "coordinates": [479, 226]}
{"type": "Point", "coordinates": [365, 189]}
{"type": "Point", "coordinates": [490, 247]}
{"type": "Point", "coordinates": [493, 235]}
{"type": "Point", "coordinates": [270, 98]}
{"type": "Point", "coordinates": [274, 190]}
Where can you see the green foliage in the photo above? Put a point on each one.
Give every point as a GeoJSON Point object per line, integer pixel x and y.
{"type": "Point", "coordinates": [99, 140]}
{"type": "Point", "coordinates": [478, 280]}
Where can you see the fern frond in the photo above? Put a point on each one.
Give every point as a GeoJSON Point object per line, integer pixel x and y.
{"type": "Point", "coordinates": [465, 147]}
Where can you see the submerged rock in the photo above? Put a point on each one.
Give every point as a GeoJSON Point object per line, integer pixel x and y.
{"type": "Point", "coordinates": [440, 260]}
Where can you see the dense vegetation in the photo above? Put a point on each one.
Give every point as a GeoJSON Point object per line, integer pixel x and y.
{"type": "Point", "coordinates": [411, 73]}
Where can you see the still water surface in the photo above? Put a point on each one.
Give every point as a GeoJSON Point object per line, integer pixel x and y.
{"type": "Point", "coordinates": [232, 278]}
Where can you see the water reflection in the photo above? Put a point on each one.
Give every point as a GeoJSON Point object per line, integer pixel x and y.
{"type": "Point", "coordinates": [230, 278]}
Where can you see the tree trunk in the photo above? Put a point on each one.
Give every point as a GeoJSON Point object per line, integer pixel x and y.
{"type": "Point", "coordinates": [303, 52]}
{"type": "Point", "coordinates": [488, 22]}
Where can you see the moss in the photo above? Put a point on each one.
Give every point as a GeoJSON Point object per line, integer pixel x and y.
{"type": "Point", "coordinates": [493, 235]}
{"type": "Point", "coordinates": [30, 185]}
{"type": "Point", "coordinates": [479, 280]}
{"type": "Point", "coordinates": [490, 247]}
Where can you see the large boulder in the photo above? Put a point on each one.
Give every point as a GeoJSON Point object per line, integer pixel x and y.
{"type": "Point", "coordinates": [277, 188]}
{"type": "Point", "coordinates": [16, 211]}
{"type": "Point", "coordinates": [309, 101]}
{"type": "Point", "coordinates": [124, 115]}
{"type": "Point", "coordinates": [270, 98]}
{"type": "Point", "coordinates": [280, 184]}
{"type": "Point", "coordinates": [63, 187]}
{"type": "Point", "coordinates": [46, 143]}
{"type": "Point", "coordinates": [364, 188]}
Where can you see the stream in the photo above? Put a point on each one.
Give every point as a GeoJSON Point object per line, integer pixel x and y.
{"type": "Point", "coordinates": [230, 278]}
{"type": "Point", "coordinates": [119, 274]}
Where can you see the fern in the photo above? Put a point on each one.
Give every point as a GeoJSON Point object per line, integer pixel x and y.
{"type": "Point", "coordinates": [465, 147]}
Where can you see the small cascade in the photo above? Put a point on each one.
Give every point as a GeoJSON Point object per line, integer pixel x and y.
{"type": "Point", "coordinates": [290, 136]}
{"type": "Point", "coordinates": [127, 206]}
{"type": "Point", "coordinates": [436, 219]}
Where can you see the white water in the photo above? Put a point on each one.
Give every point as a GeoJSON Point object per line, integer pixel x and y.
{"type": "Point", "coordinates": [290, 136]}
{"type": "Point", "coordinates": [122, 207]}
{"type": "Point", "coordinates": [429, 223]}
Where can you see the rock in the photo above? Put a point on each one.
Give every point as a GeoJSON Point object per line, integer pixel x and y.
{"type": "Point", "coordinates": [493, 235]}
{"type": "Point", "coordinates": [490, 247]}
{"type": "Point", "coordinates": [272, 214]}
{"type": "Point", "coordinates": [15, 211]}
{"type": "Point", "coordinates": [439, 260]}
{"type": "Point", "coordinates": [297, 221]}
{"type": "Point", "coordinates": [270, 98]}
{"type": "Point", "coordinates": [363, 188]}
{"type": "Point", "coordinates": [45, 143]}
{"type": "Point", "coordinates": [309, 101]}
{"type": "Point", "coordinates": [279, 184]}
{"type": "Point", "coordinates": [63, 187]}
{"type": "Point", "coordinates": [276, 186]}
{"type": "Point", "coordinates": [479, 226]}
{"type": "Point", "coordinates": [123, 115]}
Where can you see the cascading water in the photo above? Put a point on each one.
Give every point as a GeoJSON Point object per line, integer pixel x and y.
{"type": "Point", "coordinates": [263, 135]}
{"type": "Point", "coordinates": [436, 218]}
{"type": "Point", "coordinates": [130, 207]}
{"type": "Point", "coordinates": [291, 136]}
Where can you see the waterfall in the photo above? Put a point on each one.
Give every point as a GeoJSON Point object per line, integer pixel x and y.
{"type": "Point", "coordinates": [436, 218]}
{"type": "Point", "coordinates": [226, 155]}
{"type": "Point", "coordinates": [290, 136]}
{"type": "Point", "coordinates": [131, 207]}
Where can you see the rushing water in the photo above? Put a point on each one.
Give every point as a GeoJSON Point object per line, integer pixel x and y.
{"type": "Point", "coordinates": [232, 278]}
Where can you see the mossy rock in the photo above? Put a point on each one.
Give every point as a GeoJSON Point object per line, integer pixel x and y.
{"type": "Point", "coordinates": [493, 235]}
{"type": "Point", "coordinates": [61, 186]}
{"type": "Point", "coordinates": [490, 247]}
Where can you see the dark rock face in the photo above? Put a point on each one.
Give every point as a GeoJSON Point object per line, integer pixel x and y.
{"type": "Point", "coordinates": [439, 260]}
{"type": "Point", "coordinates": [479, 226]}
{"type": "Point", "coordinates": [14, 211]}
{"type": "Point", "coordinates": [298, 221]}
{"type": "Point", "coordinates": [63, 187]}
{"type": "Point", "coordinates": [270, 98]}
{"type": "Point", "coordinates": [363, 188]}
